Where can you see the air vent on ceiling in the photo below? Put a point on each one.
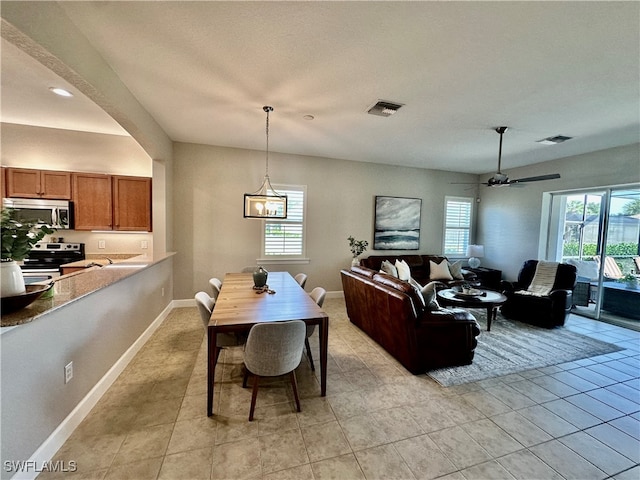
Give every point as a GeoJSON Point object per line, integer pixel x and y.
{"type": "Point", "coordinates": [384, 108]}
{"type": "Point", "coordinates": [554, 140]}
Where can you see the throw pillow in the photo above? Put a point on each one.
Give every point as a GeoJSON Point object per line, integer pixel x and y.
{"type": "Point", "coordinates": [456, 270]}
{"type": "Point", "coordinates": [429, 295]}
{"type": "Point", "coordinates": [388, 268]}
{"type": "Point", "coordinates": [404, 272]}
{"type": "Point", "coordinates": [439, 271]}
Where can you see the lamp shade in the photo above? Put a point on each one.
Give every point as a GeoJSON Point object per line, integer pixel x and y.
{"type": "Point", "coordinates": [475, 253]}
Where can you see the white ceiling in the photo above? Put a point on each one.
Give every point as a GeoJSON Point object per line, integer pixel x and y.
{"type": "Point", "coordinates": [204, 70]}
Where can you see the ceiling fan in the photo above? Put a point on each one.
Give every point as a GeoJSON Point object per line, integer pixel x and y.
{"type": "Point", "coordinates": [499, 179]}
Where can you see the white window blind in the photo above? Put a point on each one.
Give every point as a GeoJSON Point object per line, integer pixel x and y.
{"type": "Point", "coordinates": [457, 231]}
{"type": "Point", "coordinates": [285, 238]}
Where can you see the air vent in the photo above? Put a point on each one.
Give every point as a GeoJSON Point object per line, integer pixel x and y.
{"type": "Point", "coordinates": [384, 108]}
{"type": "Point", "coordinates": [554, 140]}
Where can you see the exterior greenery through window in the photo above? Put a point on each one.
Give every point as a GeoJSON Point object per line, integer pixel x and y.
{"type": "Point", "coordinates": [286, 238]}
{"type": "Point", "coordinates": [457, 225]}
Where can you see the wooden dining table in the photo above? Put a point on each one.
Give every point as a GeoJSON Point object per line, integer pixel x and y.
{"type": "Point", "coordinates": [239, 306]}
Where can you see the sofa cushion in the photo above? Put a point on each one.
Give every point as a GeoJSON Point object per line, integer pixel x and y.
{"type": "Point", "coordinates": [404, 287]}
{"type": "Point", "coordinates": [456, 270]}
{"type": "Point", "coordinates": [439, 271]}
{"type": "Point", "coordinates": [404, 272]}
{"type": "Point", "coordinates": [390, 269]}
{"type": "Point", "coordinates": [367, 272]}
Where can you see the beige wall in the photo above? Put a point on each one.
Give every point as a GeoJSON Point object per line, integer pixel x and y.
{"type": "Point", "coordinates": [510, 221]}
{"type": "Point", "coordinates": [212, 237]}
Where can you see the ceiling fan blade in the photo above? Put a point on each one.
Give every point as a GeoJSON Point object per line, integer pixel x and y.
{"type": "Point", "coordinates": [463, 183]}
{"type": "Point", "coordinates": [539, 178]}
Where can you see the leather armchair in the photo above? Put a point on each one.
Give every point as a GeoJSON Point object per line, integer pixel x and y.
{"type": "Point", "coordinates": [546, 311]}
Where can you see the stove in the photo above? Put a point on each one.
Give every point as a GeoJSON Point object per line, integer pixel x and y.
{"type": "Point", "coordinates": [46, 258]}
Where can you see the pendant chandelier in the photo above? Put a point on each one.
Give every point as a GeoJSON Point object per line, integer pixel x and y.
{"type": "Point", "coordinates": [265, 202]}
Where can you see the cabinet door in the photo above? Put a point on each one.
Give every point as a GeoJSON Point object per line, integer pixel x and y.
{"type": "Point", "coordinates": [55, 185]}
{"type": "Point", "coordinates": [92, 201]}
{"type": "Point", "coordinates": [132, 203]}
{"type": "Point", "coordinates": [31, 183]}
{"type": "Point", "coordinates": [23, 182]}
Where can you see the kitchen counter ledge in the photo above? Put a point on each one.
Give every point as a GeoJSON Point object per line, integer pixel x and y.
{"type": "Point", "coordinates": [74, 286]}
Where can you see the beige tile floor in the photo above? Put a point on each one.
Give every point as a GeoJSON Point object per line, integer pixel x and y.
{"type": "Point", "coordinates": [578, 420]}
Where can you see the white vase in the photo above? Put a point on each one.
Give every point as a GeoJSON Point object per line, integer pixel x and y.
{"type": "Point", "coordinates": [12, 281]}
{"type": "Point", "coordinates": [355, 262]}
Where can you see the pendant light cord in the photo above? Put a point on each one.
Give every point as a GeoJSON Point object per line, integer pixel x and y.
{"type": "Point", "coordinates": [267, 109]}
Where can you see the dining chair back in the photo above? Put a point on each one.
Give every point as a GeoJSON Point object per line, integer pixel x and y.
{"type": "Point", "coordinates": [216, 285]}
{"type": "Point", "coordinates": [301, 278]}
{"type": "Point", "coordinates": [205, 307]}
{"type": "Point", "coordinates": [273, 349]}
{"type": "Point", "coordinates": [317, 294]}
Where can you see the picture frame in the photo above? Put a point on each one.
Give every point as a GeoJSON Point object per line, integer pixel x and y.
{"type": "Point", "coordinates": [397, 223]}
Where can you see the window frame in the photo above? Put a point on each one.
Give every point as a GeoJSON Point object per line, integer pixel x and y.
{"type": "Point", "coordinates": [469, 229]}
{"type": "Point", "coordinates": [286, 259]}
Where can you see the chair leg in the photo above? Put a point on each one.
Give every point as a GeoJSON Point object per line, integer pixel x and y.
{"type": "Point", "coordinates": [245, 377]}
{"type": "Point", "coordinates": [309, 356]}
{"type": "Point", "coordinates": [254, 395]}
{"type": "Point", "coordinates": [294, 384]}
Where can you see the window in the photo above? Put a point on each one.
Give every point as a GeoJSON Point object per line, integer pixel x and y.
{"type": "Point", "coordinates": [457, 225]}
{"type": "Point", "coordinates": [285, 239]}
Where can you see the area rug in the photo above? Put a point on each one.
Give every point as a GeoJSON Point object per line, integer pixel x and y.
{"type": "Point", "coordinates": [512, 347]}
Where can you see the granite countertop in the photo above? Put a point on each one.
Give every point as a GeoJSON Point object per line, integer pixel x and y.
{"type": "Point", "coordinates": [71, 287]}
{"type": "Point", "coordinates": [92, 258]}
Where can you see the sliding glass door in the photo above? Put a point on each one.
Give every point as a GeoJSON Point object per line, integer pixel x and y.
{"type": "Point", "coordinates": [598, 231]}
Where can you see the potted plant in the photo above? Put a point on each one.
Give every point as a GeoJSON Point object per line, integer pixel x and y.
{"type": "Point", "coordinates": [17, 240]}
{"type": "Point", "coordinates": [357, 247]}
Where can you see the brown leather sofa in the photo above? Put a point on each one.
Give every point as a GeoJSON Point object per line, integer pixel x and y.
{"type": "Point", "coordinates": [419, 265]}
{"type": "Point", "coordinates": [393, 314]}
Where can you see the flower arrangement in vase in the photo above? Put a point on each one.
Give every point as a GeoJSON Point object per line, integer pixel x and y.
{"type": "Point", "coordinates": [357, 248]}
{"type": "Point", "coordinates": [17, 240]}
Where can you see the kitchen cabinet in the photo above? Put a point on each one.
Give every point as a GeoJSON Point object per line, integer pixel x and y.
{"type": "Point", "coordinates": [111, 202]}
{"type": "Point", "coordinates": [92, 201]}
{"type": "Point", "coordinates": [32, 183]}
{"type": "Point", "coordinates": [132, 203]}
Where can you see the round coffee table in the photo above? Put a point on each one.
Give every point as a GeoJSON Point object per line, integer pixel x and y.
{"type": "Point", "coordinates": [489, 300]}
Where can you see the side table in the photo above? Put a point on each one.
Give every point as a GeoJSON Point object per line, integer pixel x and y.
{"type": "Point", "coordinates": [488, 277]}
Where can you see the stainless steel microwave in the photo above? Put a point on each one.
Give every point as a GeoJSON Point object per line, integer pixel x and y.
{"type": "Point", "coordinates": [57, 214]}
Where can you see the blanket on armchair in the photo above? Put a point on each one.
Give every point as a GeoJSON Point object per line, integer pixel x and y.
{"type": "Point", "coordinates": [543, 279]}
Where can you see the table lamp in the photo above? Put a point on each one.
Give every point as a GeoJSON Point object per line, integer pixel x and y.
{"type": "Point", "coordinates": [475, 253]}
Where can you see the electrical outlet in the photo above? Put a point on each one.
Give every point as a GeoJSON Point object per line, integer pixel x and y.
{"type": "Point", "coordinates": [144, 244]}
{"type": "Point", "coordinates": [68, 372]}
{"type": "Point", "coordinates": [101, 244]}
{"type": "Point", "coordinates": [162, 291]}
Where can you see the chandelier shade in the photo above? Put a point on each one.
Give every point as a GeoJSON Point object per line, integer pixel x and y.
{"type": "Point", "coordinates": [265, 203]}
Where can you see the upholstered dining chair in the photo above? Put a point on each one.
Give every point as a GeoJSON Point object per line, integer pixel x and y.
{"type": "Point", "coordinates": [273, 349]}
{"type": "Point", "coordinates": [205, 306]}
{"type": "Point", "coordinates": [317, 294]}
{"type": "Point", "coordinates": [301, 278]}
{"type": "Point", "coordinates": [216, 285]}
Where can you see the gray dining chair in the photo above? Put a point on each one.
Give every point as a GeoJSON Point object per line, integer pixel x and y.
{"type": "Point", "coordinates": [301, 278]}
{"type": "Point", "coordinates": [205, 307]}
{"type": "Point", "coordinates": [273, 349]}
{"type": "Point", "coordinates": [317, 294]}
{"type": "Point", "coordinates": [216, 285]}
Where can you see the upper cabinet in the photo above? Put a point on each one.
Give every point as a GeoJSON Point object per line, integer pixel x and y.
{"type": "Point", "coordinates": [111, 202]}
{"type": "Point", "coordinates": [132, 203]}
{"type": "Point", "coordinates": [31, 183]}
{"type": "Point", "coordinates": [92, 204]}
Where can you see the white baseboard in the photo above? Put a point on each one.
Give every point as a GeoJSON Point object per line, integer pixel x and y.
{"type": "Point", "coordinates": [61, 434]}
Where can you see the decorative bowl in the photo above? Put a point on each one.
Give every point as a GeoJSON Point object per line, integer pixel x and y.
{"type": "Point", "coordinates": [16, 302]}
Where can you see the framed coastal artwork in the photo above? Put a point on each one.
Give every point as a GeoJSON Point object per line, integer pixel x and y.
{"type": "Point", "coordinates": [397, 223]}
